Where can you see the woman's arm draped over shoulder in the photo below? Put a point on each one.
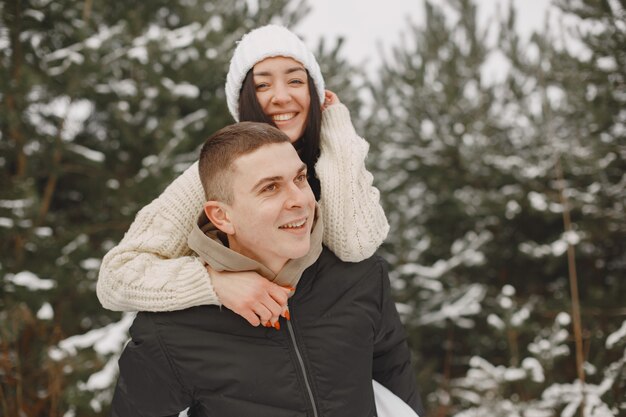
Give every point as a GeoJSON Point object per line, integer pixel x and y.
{"type": "Point", "coordinates": [354, 221]}
{"type": "Point", "coordinates": [151, 269]}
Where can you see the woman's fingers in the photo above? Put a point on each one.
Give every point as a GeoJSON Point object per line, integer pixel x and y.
{"type": "Point", "coordinates": [251, 317]}
{"type": "Point", "coordinates": [264, 313]}
{"type": "Point", "coordinates": [330, 98]}
{"type": "Point", "coordinates": [276, 302]}
{"type": "Point", "coordinates": [280, 294]}
{"type": "Point", "coordinates": [253, 297]}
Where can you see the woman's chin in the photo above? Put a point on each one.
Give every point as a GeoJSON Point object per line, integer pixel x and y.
{"type": "Point", "coordinates": [293, 132]}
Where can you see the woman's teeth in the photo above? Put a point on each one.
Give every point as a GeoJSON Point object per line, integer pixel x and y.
{"type": "Point", "coordinates": [283, 117]}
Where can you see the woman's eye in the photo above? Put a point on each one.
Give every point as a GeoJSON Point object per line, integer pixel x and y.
{"type": "Point", "coordinates": [301, 178]}
{"type": "Point", "coordinates": [261, 86]}
{"type": "Point", "coordinates": [296, 81]}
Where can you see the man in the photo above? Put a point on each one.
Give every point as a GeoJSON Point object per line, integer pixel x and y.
{"type": "Point", "coordinates": [342, 329]}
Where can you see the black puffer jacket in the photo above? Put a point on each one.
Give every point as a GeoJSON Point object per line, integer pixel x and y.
{"type": "Point", "coordinates": [344, 331]}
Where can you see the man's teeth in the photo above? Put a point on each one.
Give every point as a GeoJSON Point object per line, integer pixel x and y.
{"type": "Point", "coordinates": [283, 117]}
{"type": "Point", "coordinates": [293, 225]}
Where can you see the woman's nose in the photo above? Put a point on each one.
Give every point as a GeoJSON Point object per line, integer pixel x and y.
{"type": "Point", "coordinates": [281, 95]}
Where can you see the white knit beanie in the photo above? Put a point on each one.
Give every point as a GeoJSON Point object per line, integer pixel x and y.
{"type": "Point", "coordinates": [265, 42]}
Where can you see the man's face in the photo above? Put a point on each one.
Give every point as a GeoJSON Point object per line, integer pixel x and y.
{"type": "Point", "coordinates": [273, 206]}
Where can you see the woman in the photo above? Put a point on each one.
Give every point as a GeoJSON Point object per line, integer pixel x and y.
{"type": "Point", "coordinates": [152, 268]}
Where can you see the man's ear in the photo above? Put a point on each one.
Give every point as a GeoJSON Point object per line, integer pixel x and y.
{"type": "Point", "coordinates": [217, 213]}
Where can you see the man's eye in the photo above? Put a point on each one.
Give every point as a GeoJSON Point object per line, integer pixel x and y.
{"type": "Point", "coordinates": [270, 188]}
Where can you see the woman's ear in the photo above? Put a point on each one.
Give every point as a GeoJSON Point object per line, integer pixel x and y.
{"type": "Point", "coordinates": [218, 215]}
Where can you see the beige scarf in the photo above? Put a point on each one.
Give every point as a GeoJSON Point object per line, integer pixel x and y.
{"type": "Point", "coordinates": [207, 241]}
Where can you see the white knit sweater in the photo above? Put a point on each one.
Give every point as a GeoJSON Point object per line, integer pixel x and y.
{"type": "Point", "coordinates": [153, 269]}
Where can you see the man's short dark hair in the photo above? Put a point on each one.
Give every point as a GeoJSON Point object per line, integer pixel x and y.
{"type": "Point", "coordinates": [220, 151]}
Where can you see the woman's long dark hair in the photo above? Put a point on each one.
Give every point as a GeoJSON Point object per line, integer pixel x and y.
{"type": "Point", "coordinates": [308, 145]}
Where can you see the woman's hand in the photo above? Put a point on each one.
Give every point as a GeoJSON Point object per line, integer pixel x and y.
{"type": "Point", "coordinates": [251, 296]}
{"type": "Point", "coordinates": [330, 98]}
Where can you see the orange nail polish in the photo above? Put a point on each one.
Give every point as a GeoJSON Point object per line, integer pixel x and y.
{"type": "Point", "coordinates": [277, 325]}
{"type": "Point", "coordinates": [287, 315]}
{"type": "Point", "coordinates": [268, 324]}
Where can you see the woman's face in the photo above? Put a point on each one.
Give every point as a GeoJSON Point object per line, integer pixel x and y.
{"type": "Point", "coordinates": [282, 90]}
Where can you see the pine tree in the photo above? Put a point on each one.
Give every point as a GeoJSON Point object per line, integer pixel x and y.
{"type": "Point", "coordinates": [434, 115]}
{"type": "Point", "coordinates": [342, 77]}
{"type": "Point", "coordinates": [466, 168]}
{"type": "Point", "coordinates": [568, 88]}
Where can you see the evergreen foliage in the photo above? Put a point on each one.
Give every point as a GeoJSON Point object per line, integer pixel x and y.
{"type": "Point", "coordinates": [468, 170]}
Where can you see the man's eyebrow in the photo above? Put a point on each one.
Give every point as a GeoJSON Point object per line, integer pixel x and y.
{"type": "Point", "coordinates": [288, 71]}
{"type": "Point", "coordinates": [275, 178]}
{"type": "Point", "coordinates": [265, 180]}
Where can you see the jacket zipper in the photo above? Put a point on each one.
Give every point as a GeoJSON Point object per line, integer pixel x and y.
{"type": "Point", "coordinates": [302, 367]}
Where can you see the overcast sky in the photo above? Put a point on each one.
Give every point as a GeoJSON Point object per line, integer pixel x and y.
{"type": "Point", "coordinates": [366, 23]}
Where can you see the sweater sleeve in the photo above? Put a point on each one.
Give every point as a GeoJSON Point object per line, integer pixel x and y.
{"type": "Point", "coordinates": [152, 269]}
{"type": "Point", "coordinates": [354, 221]}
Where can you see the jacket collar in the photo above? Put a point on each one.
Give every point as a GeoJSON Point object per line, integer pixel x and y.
{"type": "Point", "coordinates": [206, 240]}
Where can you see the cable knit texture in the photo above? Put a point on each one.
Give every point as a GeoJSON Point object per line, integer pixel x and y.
{"type": "Point", "coordinates": [152, 268]}
{"type": "Point", "coordinates": [354, 221]}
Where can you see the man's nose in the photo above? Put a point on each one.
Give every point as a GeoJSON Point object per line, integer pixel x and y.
{"type": "Point", "coordinates": [298, 196]}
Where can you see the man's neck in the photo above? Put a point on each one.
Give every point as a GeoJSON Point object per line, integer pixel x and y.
{"type": "Point", "coordinates": [274, 264]}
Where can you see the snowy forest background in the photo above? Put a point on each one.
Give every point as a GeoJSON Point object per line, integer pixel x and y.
{"type": "Point", "coordinates": [505, 196]}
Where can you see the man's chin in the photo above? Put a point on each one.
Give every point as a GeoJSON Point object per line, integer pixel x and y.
{"type": "Point", "coordinates": [298, 251]}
